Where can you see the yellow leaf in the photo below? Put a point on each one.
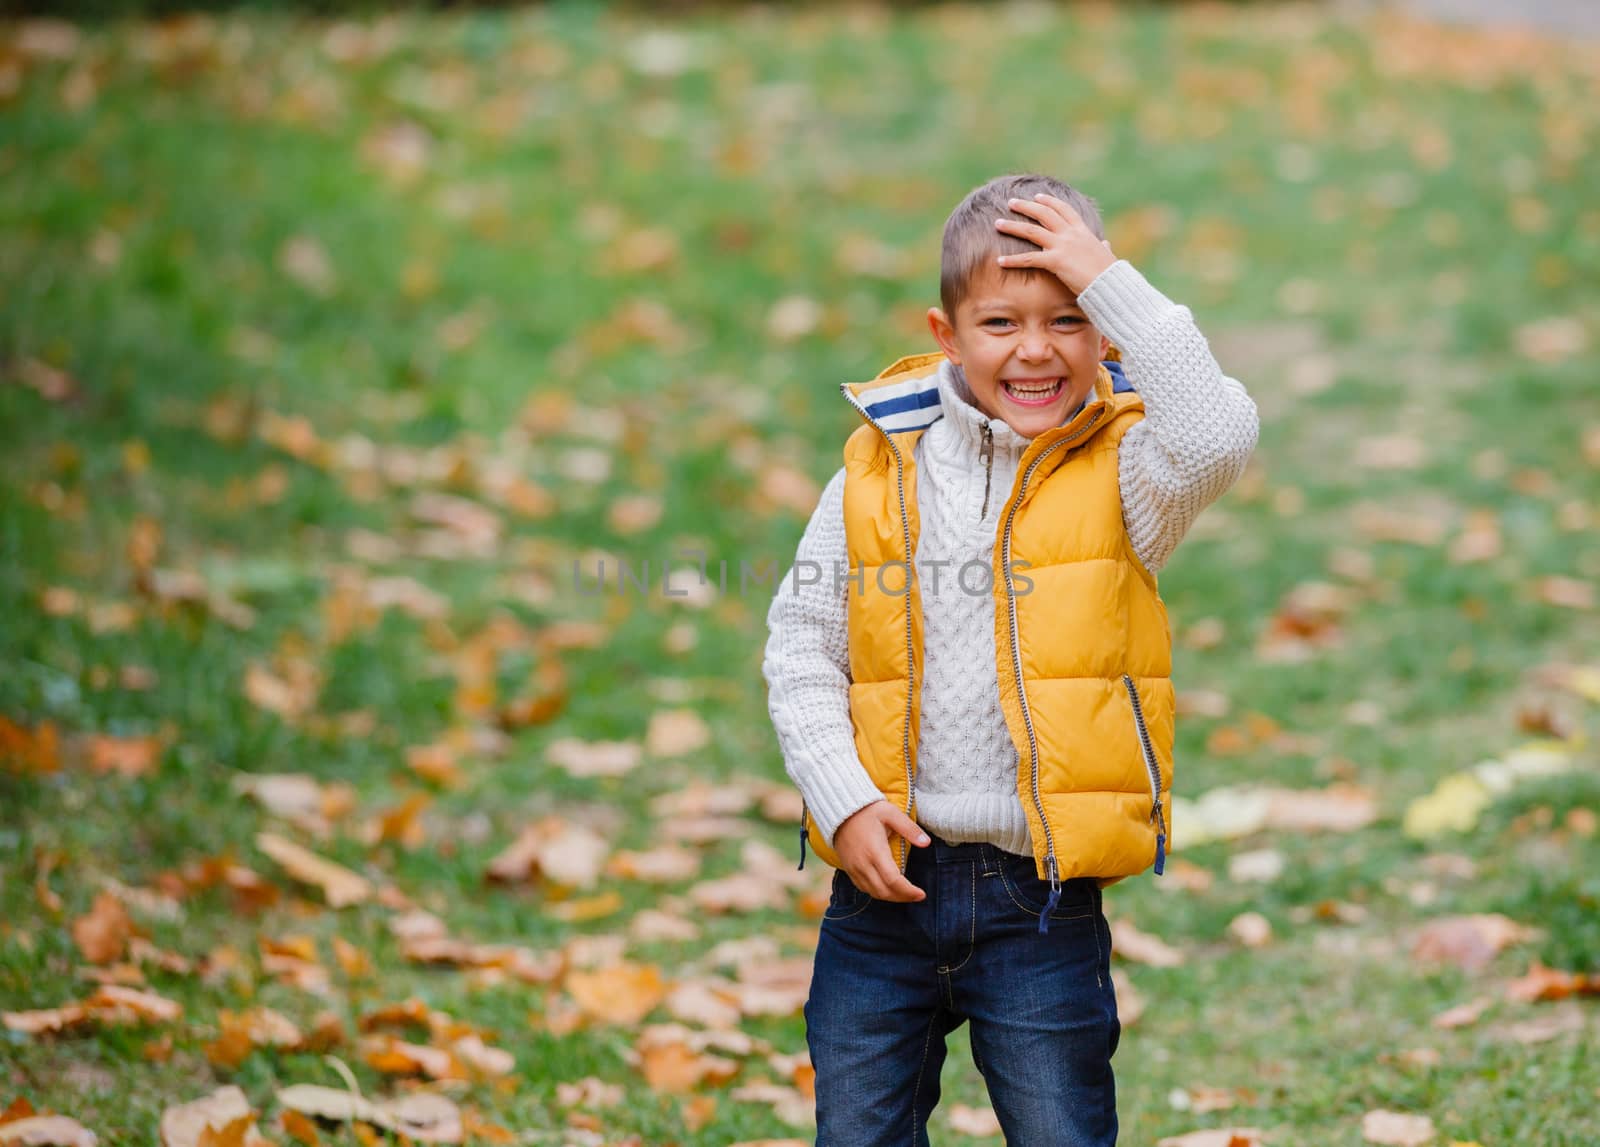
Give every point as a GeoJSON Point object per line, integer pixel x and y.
{"type": "Point", "coordinates": [1454, 806]}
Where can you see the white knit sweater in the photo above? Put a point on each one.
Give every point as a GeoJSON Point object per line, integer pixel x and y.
{"type": "Point", "coordinates": [1199, 429]}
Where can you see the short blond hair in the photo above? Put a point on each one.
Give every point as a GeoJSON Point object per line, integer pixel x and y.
{"type": "Point", "coordinates": [971, 243]}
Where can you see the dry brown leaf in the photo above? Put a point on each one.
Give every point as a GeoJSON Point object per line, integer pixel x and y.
{"type": "Point", "coordinates": [394, 1056]}
{"type": "Point", "coordinates": [678, 1069]}
{"type": "Point", "coordinates": [1552, 340]}
{"type": "Point", "coordinates": [1542, 983]}
{"type": "Point", "coordinates": [565, 853]}
{"type": "Point", "coordinates": [103, 932]}
{"type": "Point", "coordinates": [299, 798]}
{"type": "Point", "coordinates": [437, 763]}
{"type": "Point", "coordinates": [47, 1021]}
{"type": "Point", "coordinates": [594, 758]}
{"type": "Point", "coordinates": [1251, 929]}
{"type": "Point", "coordinates": [27, 750]}
{"type": "Point", "coordinates": [306, 262]}
{"type": "Point", "coordinates": [422, 1116]}
{"type": "Point", "coordinates": [299, 1128]}
{"type": "Point", "coordinates": [128, 757]}
{"type": "Point", "coordinates": [1219, 1137]}
{"type": "Point", "coordinates": [1479, 540]}
{"type": "Point", "coordinates": [339, 885]}
{"type": "Point", "coordinates": [1128, 942]}
{"type": "Point", "coordinates": [1397, 1129]}
{"type": "Point", "coordinates": [114, 1004]}
{"type": "Point", "coordinates": [1337, 808]}
{"type": "Point", "coordinates": [1565, 592]}
{"type": "Point", "coordinates": [1469, 942]}
{"type": "Point", "coordinates": [674, 732]}
{"type": "Point", "coordinates": [965, 1119]}
{"type": "Point", "coordinates": [222, 1119]}
{"type": "Point", "coordinates": [621, 994]}
{"type": "Point", "coordinates": [1380, 523]}
{"type": "Point", "coordinates": [1400, 451]}
{"type": "Point", "coordinates": [46, 1131]}
{"type": "Point", "coordinates": [290, 697]}
{"type": "Point", "coordinates": [1462, 1015]}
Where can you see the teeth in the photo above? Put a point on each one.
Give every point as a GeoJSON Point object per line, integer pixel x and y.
{"type": "Point", "coordinates": [1030, 391]}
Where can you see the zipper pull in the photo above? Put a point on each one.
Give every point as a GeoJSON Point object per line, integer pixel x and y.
{"type": "Point", "coordinates": [986, 452]}
{"type": "Point", "coordinates": [1161, 839]}
{"type": "Point", "coordinates": [1055, 895]}
{"type": "Point", "coordinates": [802, 863]}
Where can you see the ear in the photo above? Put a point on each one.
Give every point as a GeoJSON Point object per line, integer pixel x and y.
{"type": "Point", "coordinates": [944, 333]}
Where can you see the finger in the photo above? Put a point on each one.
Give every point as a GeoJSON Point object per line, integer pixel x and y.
{"type": "Point", "coordinates": [1032, 232]}
{"type": "Point", "coordinates": [893, 885]}
{"type": "Point", "coordinates": [1031, 209]}
{"type": "Point", "coordinates": [1020, 259]}
{"type": "Point", "coordinates": [1061, 206]}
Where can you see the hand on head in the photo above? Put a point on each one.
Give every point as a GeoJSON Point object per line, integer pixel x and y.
{"type": "Point", "coordinates": [1067, 248]}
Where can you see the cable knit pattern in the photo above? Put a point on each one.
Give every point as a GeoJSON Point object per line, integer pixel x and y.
{"type": "Point", "coordinates": [1198, 432]}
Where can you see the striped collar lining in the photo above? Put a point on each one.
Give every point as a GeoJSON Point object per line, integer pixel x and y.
{"type": "Point", "coordinates": [914, 403]}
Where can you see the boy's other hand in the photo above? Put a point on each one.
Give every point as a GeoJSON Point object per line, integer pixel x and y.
{"type": "Point", "coordinates": [862, 842]}
{"type": "Point", "coordinates": [1066, 245]}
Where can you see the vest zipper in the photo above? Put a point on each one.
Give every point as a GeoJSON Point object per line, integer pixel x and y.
{"type": "Point", "coordinates": [986, 452]}
{"type": "Point", "coordinates": [897, 842]}
{"type": "Point", "coordinates": [1016, 655]}
{"type": "Point", "coordinates": [1154, 770]}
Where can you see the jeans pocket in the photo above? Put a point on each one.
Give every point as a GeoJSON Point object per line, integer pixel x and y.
{"type": "Point", "coordinates": [845, 899]}
{"type": "Point", "coordinates": [1030, 894]}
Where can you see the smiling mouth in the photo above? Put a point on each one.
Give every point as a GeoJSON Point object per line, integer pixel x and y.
{"type": "Point", "coordinates": [1033, 391]}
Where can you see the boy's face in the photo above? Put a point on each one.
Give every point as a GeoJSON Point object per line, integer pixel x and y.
{"type": "Point", "coordinates": [1017, 332]}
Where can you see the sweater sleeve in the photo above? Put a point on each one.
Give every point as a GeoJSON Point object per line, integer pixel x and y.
{"type": "Point", "coordinates": [1200, 426]}
{"type": "Point", "coordinates": [807, 668]}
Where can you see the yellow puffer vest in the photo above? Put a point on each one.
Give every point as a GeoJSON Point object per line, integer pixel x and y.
{"type": "Point", "coordinates": [1083, 648]}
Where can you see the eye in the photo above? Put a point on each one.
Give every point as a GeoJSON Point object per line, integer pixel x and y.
{"type": "Point", "coordinates": [991, 322]}
{"type": "Point", "coordinates": [1070, 319]}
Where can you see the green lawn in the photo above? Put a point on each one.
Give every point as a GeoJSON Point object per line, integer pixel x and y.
{"type": "Point", "coordinates": [290, 311]}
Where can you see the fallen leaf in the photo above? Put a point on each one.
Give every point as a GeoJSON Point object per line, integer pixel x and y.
{"type": "Point", "coordinates": [1128, 942]}
{"type": "Point", "coordinates": [102, 933]}
{"type": "Point", "coordinates": [562, 852]}
{"type": "Point", "coordinates": [675, 732]}
{"type": "Point", "coordinates": [339, 885]}
{"type": "Point", "coordinates": [422, 1116]}
{"type": "Point", "coordinates": [1396, 1129]}
{"type": "Point", "coordinates": [1220, 1137]}
{"type": "Point", "coordinates": [1468, 942]}
{"type": "Point", "coordinates": [621, 994]}
{"type": "Point", "coordinates": [203, 1122]}
{"type": "Point", "coordinates": [46, 1131]}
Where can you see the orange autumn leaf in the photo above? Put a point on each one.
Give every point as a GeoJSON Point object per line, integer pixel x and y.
{"type": "Point", "coordinates": [621, 994]}
{"type": "Point", "coordinates": [102, 933]}
{"type": "Point", "coordinates": [339, 885]}
{"type": "Point", "coordinates": [128, 757]}
{"type": "Point", "coordinates": [299, 1128]}
{"type": "Point", "coordinates": [352, 960]}
{"type": "Point", "coordinates": [27, 750]}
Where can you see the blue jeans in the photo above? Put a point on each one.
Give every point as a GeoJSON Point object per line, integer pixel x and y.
{"type": "Point", "coordinates": [892, 979]}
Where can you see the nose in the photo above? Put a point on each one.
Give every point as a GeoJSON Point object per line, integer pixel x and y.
{"type": "Point", "coordinates": [1033, 348]}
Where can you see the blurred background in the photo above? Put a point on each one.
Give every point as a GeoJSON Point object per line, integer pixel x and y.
{"type": "Point", "coordinates": [341, 350]}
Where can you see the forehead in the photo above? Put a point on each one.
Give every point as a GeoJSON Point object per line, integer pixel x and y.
{"type": "Point", "coordinates": [1002, 288]}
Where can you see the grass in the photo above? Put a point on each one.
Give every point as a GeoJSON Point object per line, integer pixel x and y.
{"type": "Point", "coordinates": [546, 243]}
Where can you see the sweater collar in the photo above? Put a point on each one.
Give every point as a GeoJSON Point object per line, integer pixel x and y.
{"type": "Point", "coordinates": [966, 419]}
{"type": "Point", "coordinates": [909, 394]}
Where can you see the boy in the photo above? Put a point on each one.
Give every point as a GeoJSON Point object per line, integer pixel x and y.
{"type": "Point", "coordinates": [971, 642]}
